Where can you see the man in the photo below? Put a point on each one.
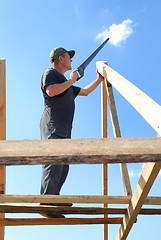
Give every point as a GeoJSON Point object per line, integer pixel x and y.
{"type": "Point", "coordinates": [56, 122]}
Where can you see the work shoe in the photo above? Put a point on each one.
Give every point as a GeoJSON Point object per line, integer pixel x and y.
{"type": "Point", "coordinates": [50, 215]}
{"type": "Point", "coordinates": [58, 204]}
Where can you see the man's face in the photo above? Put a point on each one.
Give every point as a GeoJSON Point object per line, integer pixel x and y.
{"type": "Point", "coordinates": [67, 62]}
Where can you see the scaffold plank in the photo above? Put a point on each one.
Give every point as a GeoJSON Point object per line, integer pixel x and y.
{"type": "Point", "coordinates": [57, 221]}
{"type": "Point", "coordinates": [80, 151]}
{"type": "Point", "coordinates": [99, 199]}
{"type": "Point", "coordinates": [8, 208]}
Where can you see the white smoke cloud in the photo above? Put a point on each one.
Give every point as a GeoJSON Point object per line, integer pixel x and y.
{"type": "Point", "coordinates": [117, 33]}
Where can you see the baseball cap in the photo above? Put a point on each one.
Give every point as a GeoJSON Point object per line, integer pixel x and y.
{"type": "Point", "coordinates": [59, 51]}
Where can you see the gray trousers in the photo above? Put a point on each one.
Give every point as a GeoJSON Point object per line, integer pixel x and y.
{"type": "Point", "coordinates": [53, 177]}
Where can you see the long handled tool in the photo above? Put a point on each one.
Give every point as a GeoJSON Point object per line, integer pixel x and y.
{"type": "Point", "coordinates": [82, 67]}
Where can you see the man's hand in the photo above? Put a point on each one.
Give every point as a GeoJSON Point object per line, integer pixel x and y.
{"type": "Point", "coordinates": [74, 75]}
{"type": "Point", "coordinates": [99, 76]}
{"type": "Point", "coordinates": [91, 87]}
{"type": "Point", "coordinates": [56, 89]}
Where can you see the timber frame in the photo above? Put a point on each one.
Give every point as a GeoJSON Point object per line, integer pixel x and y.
{"type": "Point", "coordinates": [87, 151]}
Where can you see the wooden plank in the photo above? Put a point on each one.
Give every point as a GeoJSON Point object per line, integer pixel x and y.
{"type": "Point", "coordinates": [2, 99]}
{"type": "Point", "coordinates": [74, 199]}
{"type": "Point", "coordinates": [105, 166]}
{"type": "Point", "coordinates": [117, 133]}
{"type": "Point", "coordinates": [8, 208]}
{"type": "Point", "coordinates": [147, 107]}
{"type": "Point", "coordinates": [2, 132]}
{"type": "Point", "coordinates": [153, 201]}
{"type": "Point", "coordinates": [146, 180]}
{"type": "Point", "coordinates": [57, 221]}
{"type": "Point", "coordinates": [64, 199]}
{"type": "Point", "coordinates": [83, 151]}
{"type": "Point", "coordinates": [152, 211]}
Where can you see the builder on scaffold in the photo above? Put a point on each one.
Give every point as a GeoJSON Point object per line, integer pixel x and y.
{"type": "Point", "coordinates": [56, 122]}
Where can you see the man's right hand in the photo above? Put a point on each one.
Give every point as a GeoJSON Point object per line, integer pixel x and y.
{"type": "Point", "coordinates": [74, 75]}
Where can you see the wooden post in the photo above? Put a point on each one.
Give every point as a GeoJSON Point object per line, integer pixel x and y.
{"type": "Point", "coordinates": [117, 134]}
{"type": "Point", "coordinates": [2, 133]}
{"type": "Point", "coordinates": [105, 167]}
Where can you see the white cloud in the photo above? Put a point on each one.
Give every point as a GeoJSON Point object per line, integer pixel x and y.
{"type": "Point", "coordinates": [117, 33]}
{"type": "Point", "coordinates": [131, 173]}
{"type": "Point", "coordinates": [134, 174]}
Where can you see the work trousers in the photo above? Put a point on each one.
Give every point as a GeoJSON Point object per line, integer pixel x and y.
{"type": "Point", "coordinates": [53, 176]}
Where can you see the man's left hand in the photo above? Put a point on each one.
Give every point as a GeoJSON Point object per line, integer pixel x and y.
{"type": "Point", "coordinates": [99, 76]}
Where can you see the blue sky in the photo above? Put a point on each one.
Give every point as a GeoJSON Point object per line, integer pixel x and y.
{"type": "Point", "coordinates": [29, 30]}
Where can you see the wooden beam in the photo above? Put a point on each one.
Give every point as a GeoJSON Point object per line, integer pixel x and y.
{"type": "Point", "coordinates": [147, 107]}
{"type": "Point", "coordinates": [117, 133]}
{"type": "Point", "coordinates": [63, 199]}
{"type": "Point", "coordinates": [74, 199]}
{"type": "Point", "coordinates": [146, 180]}
{"type": "Point", "coordinates": [2, 132]}
{"type": "Point", "coordinates": [57, 221]}
{"type": "Point", "coordinates": [10, 208]}
{"type": "Point", "coordinates": [153, 201]}
{"type": "Point", "coordinates": [83, 151]}
{"type": "Point", "coordinates": [105, 166]}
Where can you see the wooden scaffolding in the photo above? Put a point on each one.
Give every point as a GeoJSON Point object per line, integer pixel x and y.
{"type": "Point", "coordinates": [87, 151]}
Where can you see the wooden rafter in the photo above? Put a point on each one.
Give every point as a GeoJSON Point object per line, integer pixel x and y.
{"type": "Point", "coordinates": [146, 180]}
{"type": "Point", "coordinates": [147, 107]}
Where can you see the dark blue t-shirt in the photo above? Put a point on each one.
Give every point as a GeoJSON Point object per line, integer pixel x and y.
{"type": "Point", "coordinates": [59, 110]}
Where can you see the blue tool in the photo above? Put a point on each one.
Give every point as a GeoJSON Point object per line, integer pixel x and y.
{"type": "Point", "coordinates": [82, 67]}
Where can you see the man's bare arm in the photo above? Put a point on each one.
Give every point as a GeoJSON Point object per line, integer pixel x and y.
{"type": "Point", "coordinates": [56, 89]}
{"type": "Point", "coordinates": [91, 87]}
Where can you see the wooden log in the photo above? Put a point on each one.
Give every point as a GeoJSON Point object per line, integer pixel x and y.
{"type": "Point", "coordinates": [2, 132]}
{"type": "Point", "coordinates": [80, 151]}
{"type": "Point", "coordinates": [147, 107]}
{"type": "Point", "coordinates": [58, 221]}
{"type": "Point", "coordinates": [74, 199]}
{"type": "Point", "coordinates": [8, 208]}
{"type": "Point", "coordinates": [146, 180]}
